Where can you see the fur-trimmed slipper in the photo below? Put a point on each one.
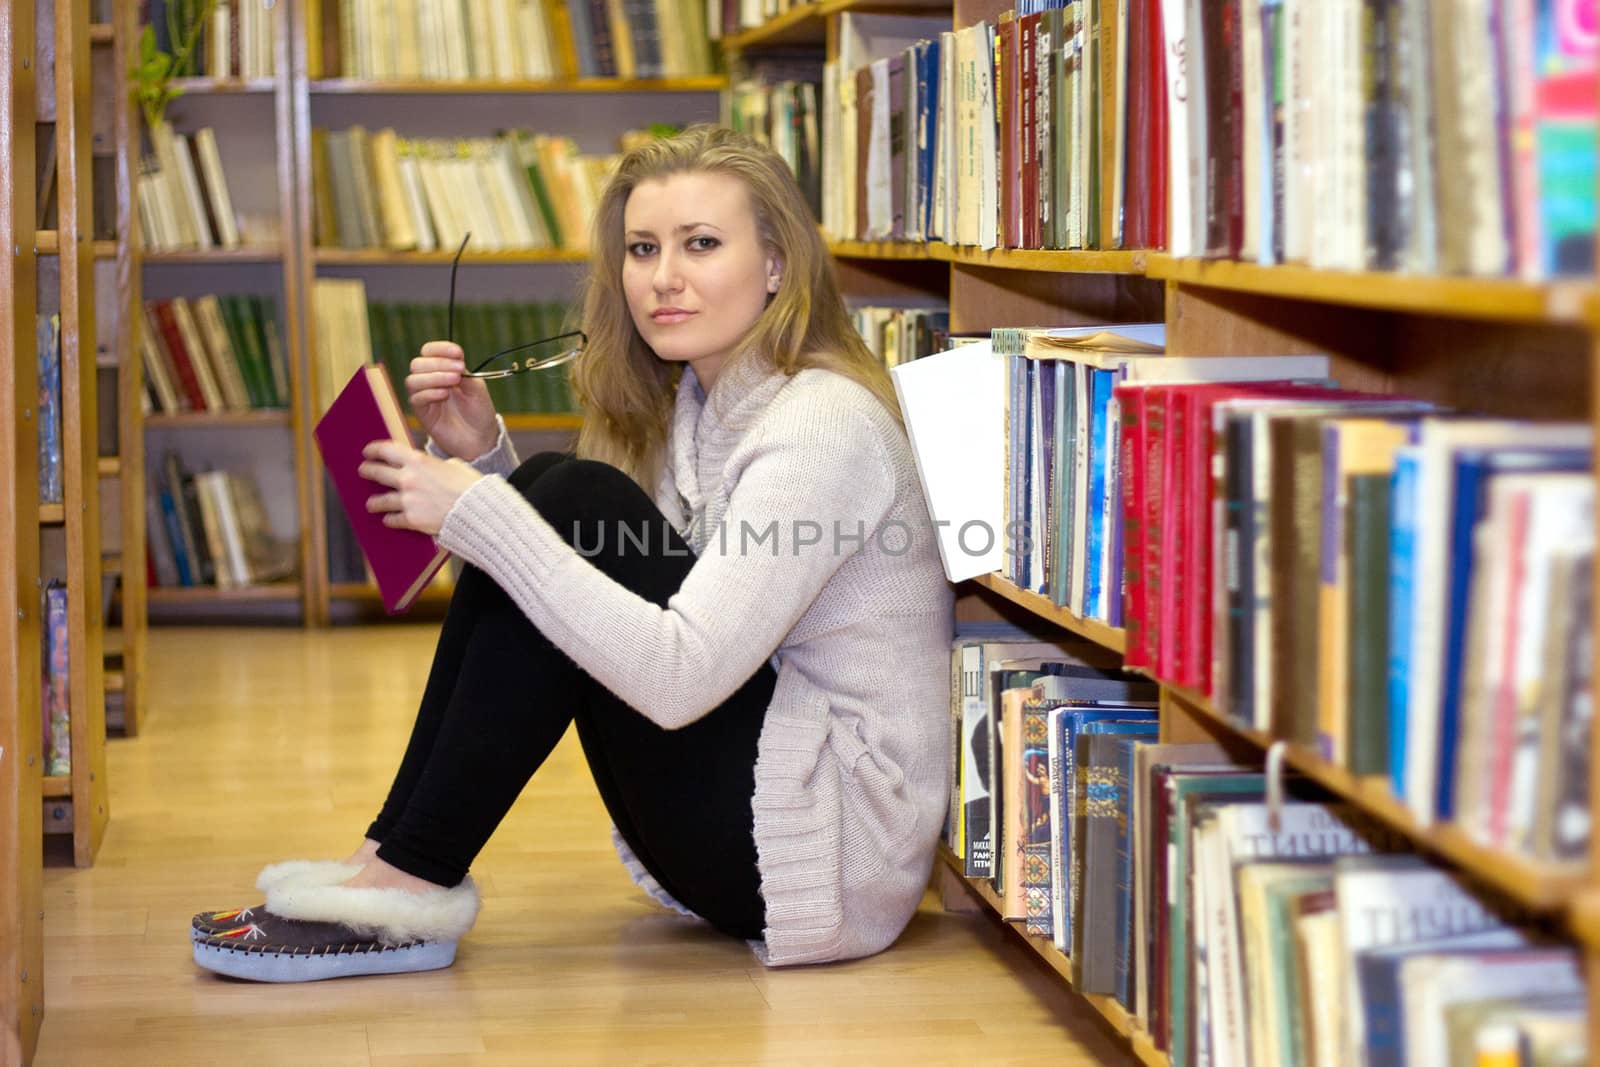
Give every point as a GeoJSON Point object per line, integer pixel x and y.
{"type": "Point", "coordinates": [310, 933]}
{"type": "Point", "coordinates": [272, 876]}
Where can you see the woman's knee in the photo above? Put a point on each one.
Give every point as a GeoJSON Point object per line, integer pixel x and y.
{"type": "Point", "coordinates": [535, 467]}
{"type": "Point", "coordinates": [582, 489]}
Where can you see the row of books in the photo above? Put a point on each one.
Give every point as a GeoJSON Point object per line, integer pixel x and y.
{"type": "Point", "coordinates": [1394, 588]}
{"type": "Point", "coordinates": [47, 335]}
{"type": "Point", "coordinates": [213, 353]}
{"type": "Point", "coordinates": [400, 330]}
{"type": "Point", "coordinates": [900, 334]}
{"type": "Point", "coordinates": [523, 40]}
{"type": "Point", "coordinates": [236, 41]}
{"type": "Point", "coordinates": [211, 528]}
{"type": "Point", "coordinates": [1234, 930]}
{"type": "Point", "coordinates": [55, 705]}
{"type": "Point", "coordinates": [1465, 146]}
{"type": "Point", "coordinates": [782, 113]}
{"type": "Point", "coordinates": [518, 190]}
{"type": "Point", "coordinates": [182, 193]}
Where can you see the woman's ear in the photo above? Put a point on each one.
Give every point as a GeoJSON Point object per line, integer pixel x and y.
{"type": "Point", "coordinates": [774, 273]}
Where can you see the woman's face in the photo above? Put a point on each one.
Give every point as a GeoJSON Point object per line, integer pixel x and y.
{"type": "Point", "coordinates": [694, 268]}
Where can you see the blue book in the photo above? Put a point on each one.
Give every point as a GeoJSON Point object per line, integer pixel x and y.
{"type": "Point", "coordinates": [48, 336]}
{"type": "Point", "coordinates": [1473, 469]}
{"type": "Point", "coordinates": [1073, 724]}
{"type": "Point", "coordinates": [180, 558]}
{"type": "Point", "coordinates": [1100, 386]}
{"type": "Point", "coordinates": [1402, 568]}
{"type": "Point", "coordinates": [1126, 749]}
{"type": "Point", "coordinates": [1043, 542]}
{"type": "Point", "coordinates": [927, 61]}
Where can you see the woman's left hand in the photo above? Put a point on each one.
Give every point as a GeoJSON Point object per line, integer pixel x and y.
{"type": "Point", "coordinates": [422, 489]}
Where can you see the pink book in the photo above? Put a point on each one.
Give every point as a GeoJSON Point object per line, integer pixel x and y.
{"type": "Point", "coordinates": [367, 410]}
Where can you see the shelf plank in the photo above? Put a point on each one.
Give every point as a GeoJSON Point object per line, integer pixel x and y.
{"type": "Point", "coordinates": [48, 243]}
{"type": "Point", "coordinates": [224, 86]}
{"type": "Point", "coordinates": [110, 566]}
{"type": "Point", "coordinates": [1541, 887]}
{"type": "Point", "coordinates": [109, 466]}
{"type": "Point", "coordinates": [115, 681]}
{"type": "Point", "coordinates": [381, 257]}
{"type": "Point", "coordinates": [243, 254]}
{"type": "Point", "coordinates": [1110, 637]}
{"type": "Point", "coordinates": [806, 23]}
{"type": "Point", "coordinates": [713, 83]}
{"type": "Point", "coordinates": [207, 594]}
{"type": "Point", "coordinates": [101, 33]}
{"type": "Point", "coordinates": [52, 514]}
{"type": "Point", "coordinates": [1144, 1047]}
{"type": "Point", "coordinates": [59, 785]}
{"type": "Point", "coordinates": [217, 419]}
{"type": "Point", "coordinates": [1042, 261]}
{"type": "Point", "coordinates": [1498, 299]}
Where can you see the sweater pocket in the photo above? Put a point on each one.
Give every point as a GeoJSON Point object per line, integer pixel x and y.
{"type": "Point", "coordinates": [879, 812]}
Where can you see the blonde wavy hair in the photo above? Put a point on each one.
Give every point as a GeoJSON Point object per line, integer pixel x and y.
{"type": "Point", "coordinates": [625, 390]}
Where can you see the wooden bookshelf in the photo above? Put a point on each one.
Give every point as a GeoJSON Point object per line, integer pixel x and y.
{"type": "Point", "coordinates": [807, 23]}
{"type": "Point", "coordinates": [712, 83]}
{"type": "Point", "coordinates": [1111, 637]}
{"type": "Point", "coordinates": [52, 514]}
{"type": "Point", "coordinates": [1529, 883]}
{"type": "Point", "coordinates": [1110, 1009]}
{"type": "Point", "coordinates": [58, 785]}
{"type": "Point", "coordinates": [379, 257]}
{"type": "Point", "coordinates": [48, 243]}
{"type": "Point", "coordinates": [1020, 259]}
{"type": "Point", "coordinates": [101, 33]}
{"type": "Point", "coordinates": [1500, 299]}
{"type": "Point", "coordinates": [218, 420]}
{"type": "Point", "coordinates": [189, 256]}
{"type": "Point", "coordinates": [225, 86]}
{"type": "Point", "coordinates": [108, 466]}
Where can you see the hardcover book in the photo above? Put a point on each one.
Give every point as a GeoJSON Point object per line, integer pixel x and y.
{"type": "Point", "coordinates": [367, 410]}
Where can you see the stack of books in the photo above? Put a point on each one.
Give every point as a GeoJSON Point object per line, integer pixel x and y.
{"type": "Point", "coordinates": [210, 528]}
{"type": "Point", "coordinates": [213, 353]}
{"type": "Point", "coordinates": [182, 193]}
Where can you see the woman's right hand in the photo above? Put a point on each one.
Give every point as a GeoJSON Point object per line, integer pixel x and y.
{"type": "Point", "coordinates": [454, 410]}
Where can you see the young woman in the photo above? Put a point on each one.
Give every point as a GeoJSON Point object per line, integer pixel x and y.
{"type": "Point", "coordinates": [732, 591]}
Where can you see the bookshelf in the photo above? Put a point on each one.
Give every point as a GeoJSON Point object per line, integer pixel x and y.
{"type": "Point", "coordinates": [252, 124]}
{"type": "Point", "coordinates": [21, 773]}
{"type": "Point", "coordinates": [592, 111]}
{"type": "Point", "coordinates": [1502, 346]}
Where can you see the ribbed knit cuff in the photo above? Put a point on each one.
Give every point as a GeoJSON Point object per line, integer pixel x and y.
{"type": "Point", "coordinates": [500, 459]}
{"type": "Point", "coordinates": [494, 527]}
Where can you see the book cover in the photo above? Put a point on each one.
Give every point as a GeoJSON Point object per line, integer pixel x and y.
{"type": "Point", "coordinates": [367, 410]}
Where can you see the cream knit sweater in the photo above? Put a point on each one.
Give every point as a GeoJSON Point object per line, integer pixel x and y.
{"type": "Point", "coordinates": [814, 551]}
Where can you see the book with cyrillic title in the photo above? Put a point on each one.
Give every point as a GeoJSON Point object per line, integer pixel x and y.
{"type": "Point", "coordinates": [366, 410]}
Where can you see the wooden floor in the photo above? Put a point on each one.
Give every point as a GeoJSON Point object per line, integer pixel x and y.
{"type": "Point", "coordinates": [263, 745]}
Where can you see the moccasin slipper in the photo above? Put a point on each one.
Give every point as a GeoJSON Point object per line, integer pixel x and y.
{"type": "Point", "coordinates": [287, 873]}
{"type": "Point", "coordinates": [312, 933]}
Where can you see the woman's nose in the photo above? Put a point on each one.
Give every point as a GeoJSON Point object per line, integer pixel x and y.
{"type": "Point", "coordinates": [668, 278]}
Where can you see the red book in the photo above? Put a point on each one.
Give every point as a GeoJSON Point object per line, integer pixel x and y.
{"type": "Point", "coordinates": [1027, 104]}
{"type": "Point", "coordinates": [367, 410]}
{"type": "Point", "coordinates": [1133, 444]}
{"type": "Point", "coordinates": [170, 338]}
{"type": "Point", "coordinates": [1155, 149]}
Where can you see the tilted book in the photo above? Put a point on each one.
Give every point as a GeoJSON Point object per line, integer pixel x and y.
{"type": "Point", "coordinates": [367, 410]}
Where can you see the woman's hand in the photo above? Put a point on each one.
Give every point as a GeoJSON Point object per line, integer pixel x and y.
{"type": "Point", "coordinates": [454, 410]}
{"type": "Point", "coordinates": [422, 488]}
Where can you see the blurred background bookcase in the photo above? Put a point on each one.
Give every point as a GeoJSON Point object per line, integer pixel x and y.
{"type": "Point", "coordinates": [1500, 346]}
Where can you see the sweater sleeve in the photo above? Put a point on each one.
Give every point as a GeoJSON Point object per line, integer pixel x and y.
{"type": "Point", "coordinates": [501, 459]}
{"type": "Point", "coordinates": [809, 495]}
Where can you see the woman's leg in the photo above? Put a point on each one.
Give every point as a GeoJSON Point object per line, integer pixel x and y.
{"type": "Point", "coordinates": [679, 798]}
{"type": "Point", "coordinates": [448, 656]}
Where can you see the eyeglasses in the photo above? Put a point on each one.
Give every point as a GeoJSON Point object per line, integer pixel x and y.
{"type": "Point", "coordinates": [547, 352]}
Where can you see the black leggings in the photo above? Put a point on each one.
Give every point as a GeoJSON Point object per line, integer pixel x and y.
{"type": "Point", "coordinates": [500, 695]}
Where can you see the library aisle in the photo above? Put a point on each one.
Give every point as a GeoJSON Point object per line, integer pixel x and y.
{"type": "Point", "coordinates": [271, 744]}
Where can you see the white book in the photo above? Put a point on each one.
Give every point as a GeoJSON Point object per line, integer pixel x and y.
{"type": "Point", "coordinates": [503, 40]}
{"type": "Point", "coordinates": [182, 198]}
{"type": "Point", "coordinates": [944, 158]}
{"type": "Point", "coordinates": [1255, 243]}
{"type": "Point", "coordinates": [850, 162]}
{"type": "Point", "coordinates": [500, 200]}
{"type": "Point", "coordinates": [515, 185]}
{"type": "Point", "coordinates": [399, 232]}
{"type": "Point", "coordinates": [219, 50]}
{"type": "Point", "coordinates": [1438, 441]}
{"type": "Point", "coordinates": [954, 407]}
{"type": "Point", "coordinates": [880, 197]}
{"type": "Point", "coordinates": [448, 228]}
{"type": "Point", "coordinates": [832, 177]}
{"type": "Point", "coordinates": [1296, 129]}
{"type": "Point", "coordinates": [988, 170]}
{"type": "Point", "coordinates": [416, 203]}
{"type": "Point", "coordinates": [1392, 900]}
{"type": "Point", "coordinates": [216, 179]}
{"type": "Point", "coordinates": [1429, 984]}
{"type": "Point", "coordinates": [407, 40]}
{"type": "Point", "coordinates": [480, 48]}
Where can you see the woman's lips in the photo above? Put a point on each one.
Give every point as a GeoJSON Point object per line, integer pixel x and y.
{"type": "Point", "coordinates": [668, 316]}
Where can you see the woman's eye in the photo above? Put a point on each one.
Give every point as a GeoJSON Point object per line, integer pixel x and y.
{"type": "Point", "coordinates": [641, 248]}
{"type": "Point", "coordinates": [703, 244]}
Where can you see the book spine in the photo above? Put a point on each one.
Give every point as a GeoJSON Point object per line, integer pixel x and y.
{"type": "Point", "coordinates": [1402, 567]}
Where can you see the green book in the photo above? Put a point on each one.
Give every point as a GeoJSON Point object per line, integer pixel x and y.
{"type": "Point", "coordinates": [233, 324]}
{"type": "Point", "coordinates": [266, 315]}
{"type": "Point", "coordinates": [1367, 628]}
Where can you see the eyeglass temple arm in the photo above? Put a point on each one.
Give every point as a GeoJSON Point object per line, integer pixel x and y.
{"type": "Point", "coordinates": [518, 348]}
